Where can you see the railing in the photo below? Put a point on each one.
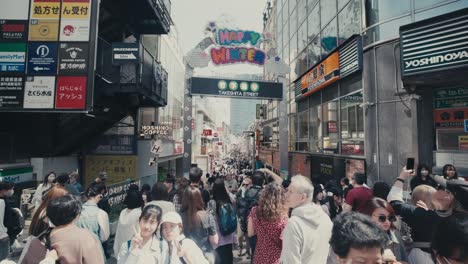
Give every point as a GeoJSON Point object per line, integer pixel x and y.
{"type": "Point", "coordinates": [147, 77]}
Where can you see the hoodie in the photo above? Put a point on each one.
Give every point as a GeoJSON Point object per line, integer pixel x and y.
{"type": "Point", "coordinates": [306, 236]}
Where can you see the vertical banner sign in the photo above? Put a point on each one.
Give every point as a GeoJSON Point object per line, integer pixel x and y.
{"type": "Point", "coordinates": [73, 58]}
{"type": "Point", "coordinates": [12, 57]}
{"type": "Point", "coordinates": [44, 20]}
{"type": "Point", "coordinates": [11, 91]}
{"type": "Point", "coordinates": [75, 22]}
{"type": "Point", "coordinates": [39, 92]}
{"type": "Point", "coordinates": [71, 92]}
{"type": "Point", "coordinates": [42, 58]}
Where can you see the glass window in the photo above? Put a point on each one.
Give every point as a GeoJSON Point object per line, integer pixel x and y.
{"type": "Point", "coordinates": [302, 37]}
{"type": "Point", "coordinates": [301, 11]}
{"type": "Point", "coordinates": [292, 5]}
{"type": "Point", "coordinates": [329, 37]}
{"type": "Point", "coordinates": [327, 11]}
{"type": "Point", "coordinates": [279, 41]}
{"type": "Point", "coordinates": [313, 23]}
{"type": "Point", "coordinates": [441, 10]}
{"type": "Point", "coordinates": [302, 63]}
{"type": "Point", "coordinates": [286, 53]}
{"type": "Point", "coordinates": [293, 47]}
{"type": "Point", "coordinates": [385, 31]}
{"type": "Point", "coordinates": [303, 126]}
{"type": "Point", "coordinates": [352, 124]}
{"type": "Point", "coordinates": [293, 22]}
{"type": "Point", "coordinates": [421, 4]}
{"type": "Point", "coordinates": [292, 132]}
{"type": "Point", "coordinates": [381, 10]}
{"type": "Point", "coordinates": [330, 127]}
{"type": "Point", "coordinates": [311, 3]}
{"type": "Point", "coordinates": [315, 128]}
{"type": "Point", "coordinates": [279, 19]}
{"type": "Point", "coordinates": [286, 36]}
{"type": "Point", "coordinates": [313, 52]}
{"type": "Point", "coordinates": [292, 106]}
{"type": "Point", "coordinates": [448, 139]}
{"type": "Point", "coordinates": [293, 68]}
{"type": "Point", "coordinates": [341, 4]}
{"type": "Point", "coordinates": [285, 14]}
{"type": "Point", "coordinates": [348, 25]}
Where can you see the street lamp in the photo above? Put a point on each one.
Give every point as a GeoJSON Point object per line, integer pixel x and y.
{"type": "Point", "coordinates": [250, 133]}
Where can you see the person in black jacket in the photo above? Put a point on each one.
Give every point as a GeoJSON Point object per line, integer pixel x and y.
{"type": "Point", "coordinates": [423, 176]}
{"type": "Point", "coordinates": [421, 220]}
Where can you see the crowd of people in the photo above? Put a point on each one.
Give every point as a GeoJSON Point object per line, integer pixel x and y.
{"type": "Point", "coordinates": [270, 219]}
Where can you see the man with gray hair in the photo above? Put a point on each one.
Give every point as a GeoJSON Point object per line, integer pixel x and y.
{"type": "Point", "coordinates": [306, 236]}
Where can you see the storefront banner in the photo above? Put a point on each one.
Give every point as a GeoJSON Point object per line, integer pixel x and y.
{"type": "Point", "coordinates": [13, 30]}
{"type": "Point", "coordinates": [17, 175]}
{"type": "Point", "coordinates": [12, 57]}
{"type": "Point", "coordinates": [11, 91]}
{"type": "Point", "coordinates": [14, 9]}
{"type": "Point", "coordinates": [71, 92]}
{"type": "Point", "coordinates": [39, 92]}
{"type": "Point", "coordinates": [451, 97]}
{"type": "Point", "coordinates": [450, 118]}
{"type": "Point", "coordinates": [326, 73]}
{"type": "Point", "coordinates": [207, 132]}
{"type": "Point", "coordinates": [42, 58]}
{"type": "Point", "coordinates": [434, 44]}
{"type": "Point", "coordinates": [119, 168]}
{"type": "Point", "coordinates": [463, 143]}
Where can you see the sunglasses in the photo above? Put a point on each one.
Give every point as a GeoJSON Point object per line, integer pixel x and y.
{"type": "Point", "coordinates": [383, 218]}
{"type": "Point", "coordinates": [245, 184]}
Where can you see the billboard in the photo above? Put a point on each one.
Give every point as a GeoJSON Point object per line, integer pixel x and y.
{"type": "Point", "coordinates": [46, 56]}
{"type": "Point", "coordinates": [236, 88]}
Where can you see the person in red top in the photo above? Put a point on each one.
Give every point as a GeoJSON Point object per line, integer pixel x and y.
{"type": "Point", "coordinates": [267, 221]}
{"type": "Point", "coordinates": [358, 197]}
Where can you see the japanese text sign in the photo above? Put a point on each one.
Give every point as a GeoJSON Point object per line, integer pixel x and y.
{"type": "Point", "coordinates": [321, 75]}
{"type": "Point", "coordinates": [450, 118]}
{"type": "Point", "coordinates": [119, 168]}
{"type": "Point", "coordinates": [71, 92]}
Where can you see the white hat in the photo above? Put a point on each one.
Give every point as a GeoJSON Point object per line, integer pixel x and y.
{"type": "Point", "coordinates": [171, 217]}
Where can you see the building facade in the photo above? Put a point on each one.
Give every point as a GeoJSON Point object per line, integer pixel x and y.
{"type": "Point", "coordinates": [349, 108]}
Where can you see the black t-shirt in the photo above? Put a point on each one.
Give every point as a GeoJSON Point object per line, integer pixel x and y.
{"type": "Point", "coordinates": [416, 181]}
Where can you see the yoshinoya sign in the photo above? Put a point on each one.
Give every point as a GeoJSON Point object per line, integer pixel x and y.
{"type": "Point", "coordinates": [123, 53]}
{"type": "Point", "coordinates": [236, 88]}
{"type": "Point", "coordinates": [73, 58]}
{"type": "Point", "coordinates": [435, 44]}
{"type": "Point", "coordinates": [346, 60]}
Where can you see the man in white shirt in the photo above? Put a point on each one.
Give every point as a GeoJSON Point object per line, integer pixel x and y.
{"type": "Point", "coordinates": [6, 190]}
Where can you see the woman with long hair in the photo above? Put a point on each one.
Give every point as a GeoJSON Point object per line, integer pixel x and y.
{"type": "Point", "coordinates": [128, 219]}
{"type": "Point", "coordinates": [39, 222]}
{"type": "Point", "coordinates": [267, 221]}
{"type": "Point", "coordinates": [144, 247]}
{"type": "Point", "coordinates": [199, 225]}
{"type": "Point", "coordinates": [423, 176]}
{"type": "Point", "coordinates": [43, 187]}
{"type": "Point", "coordinates": [222, 201]}
{"type": "Point", "coordinates": [384, 216]}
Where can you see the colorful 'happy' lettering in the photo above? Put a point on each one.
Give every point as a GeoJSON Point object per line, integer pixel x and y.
{"type": "Point", "coordinates": [227, 37]}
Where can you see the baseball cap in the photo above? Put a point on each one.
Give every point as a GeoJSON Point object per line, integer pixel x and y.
{"type": "Point", "coordinates": [171, 217]}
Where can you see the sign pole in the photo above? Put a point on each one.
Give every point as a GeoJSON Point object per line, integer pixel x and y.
{"type": "Point", "coordinates": [187, 162]}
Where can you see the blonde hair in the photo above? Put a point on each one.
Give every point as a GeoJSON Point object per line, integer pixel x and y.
{"type": "Point", "coordinates": [423, 193]}
{"type": "Point", "coordinates": [303, 185]}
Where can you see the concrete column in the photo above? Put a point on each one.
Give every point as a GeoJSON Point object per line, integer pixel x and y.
{"type": "Point", "coordinates": [283, 127]}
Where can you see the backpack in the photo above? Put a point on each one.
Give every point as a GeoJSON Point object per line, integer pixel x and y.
{"type": "Point", "coordinates": [227, 219]}
{"type": "Point", "coordinates": [244, 205]}
{"type": "Point", "coordinates": [13, 221]}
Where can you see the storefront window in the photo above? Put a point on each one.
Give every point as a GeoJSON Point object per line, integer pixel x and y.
{"type": "Point", "coordinates": [293, 22]}
{"type": "Point", "coordinates": [348, 25]}
{"type": "Point", "coordinates": [303, 126]}
{"type": "Point", "coordinates": [327, 10]}
{"type": "Point", "coordinates": [292, 132]}
{"type": "Point", "coordinates": [440, 10]}
{"type": "Point", "coordinates": [385, 31]}
{"type": "Point", "coordinates": [421, 4]}
{"type": "Point", "coordinates": [341, 4]}
{"type": "Point", "coordinates": [292, 5]}
{"type": "Point", "coordinates": [293, 47]}
{"type": "Point", "coordinates": [381, 10]}
{"type": "Point", "coordinates": [330, 127]}
{"type": "Point", "coordinates": [352, 124]}
{"type": "Point", "coordinates": [329, 37]}
{"type": "Point", "coordinates": [315, 129]}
